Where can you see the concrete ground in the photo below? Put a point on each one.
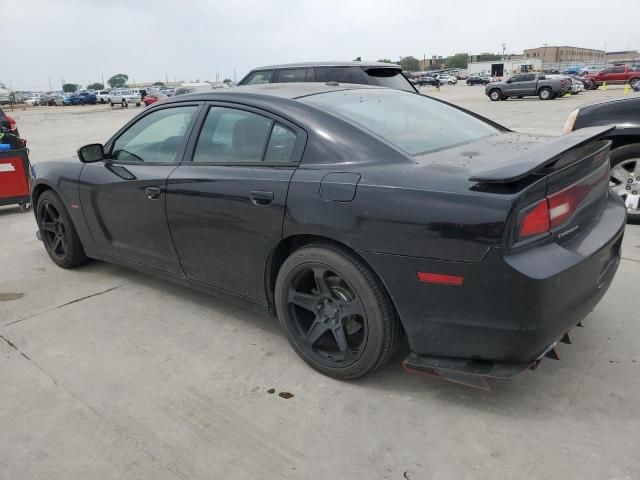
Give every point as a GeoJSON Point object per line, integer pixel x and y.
{"type": "Point", "coordinates": [106, 373]}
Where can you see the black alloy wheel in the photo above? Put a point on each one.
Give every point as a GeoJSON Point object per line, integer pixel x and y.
{"type": "Point", "coordinates": [53, 232]}
{"type": "Point", "coordinates": [58, 233]}
{"type": "Point", "coordinates": [336, 315]}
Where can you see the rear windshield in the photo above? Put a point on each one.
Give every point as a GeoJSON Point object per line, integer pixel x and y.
{"type": "Point", "coordinates": [414, 123]}
{"type": "Point", "coordinates": [389, 77]}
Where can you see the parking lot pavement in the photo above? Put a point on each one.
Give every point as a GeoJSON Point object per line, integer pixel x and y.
{"type": "Point", "coordinates": [107, 373]}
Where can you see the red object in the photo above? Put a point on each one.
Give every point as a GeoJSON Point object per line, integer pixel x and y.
{"type": "Point", "coordinates": [427, 277]}
{"type": "Point", "coordinates": [536, 221]}
{"type": "Point", "coordinates": [153, 98]}
{"type": "Point", "coordinates": [617, 74]}
{"type": "Point", "coordinates": [14, 179]}
{"type": "Point", "coordinates": [12, 122]}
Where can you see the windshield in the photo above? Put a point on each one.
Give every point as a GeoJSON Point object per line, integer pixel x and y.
{"type": "Point", "coordinates": [414, 123]}
{"type": "Point", "coordinates": [389, 77]}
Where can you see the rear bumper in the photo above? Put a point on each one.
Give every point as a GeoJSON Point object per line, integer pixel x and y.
{"type": "Point", "coordinates": [510, 308]}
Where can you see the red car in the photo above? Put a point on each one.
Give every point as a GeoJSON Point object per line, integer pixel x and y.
{"type": "Point", "coordinates": [618, 74]}
{"type": "Point", "coordinates": [153, 98]}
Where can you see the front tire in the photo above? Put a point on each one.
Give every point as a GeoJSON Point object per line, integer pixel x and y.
{"type": "Point", "coordinates": [624, 179]}
{"type": "Point", "coordinates": [495, 95]}
{"type": "Point", "coordinates": [335, 313]}
{"type": "Point", "coordinates": [58, 234]}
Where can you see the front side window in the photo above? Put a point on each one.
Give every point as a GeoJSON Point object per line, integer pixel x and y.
{"type": "Point", "coordinates": [156, 137]}
{"type": "Point", "coordinates": [258, 78]}
{"type": "Point", "coordinates": [231, 136]}
{"type": "Point", "coordinates": [413, 123]}
{"type": "Point", "coordinates": [516, 79]}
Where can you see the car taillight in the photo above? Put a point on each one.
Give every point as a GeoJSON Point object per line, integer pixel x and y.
{"type": "Point", "coordinates": [564, 203]}
{"type": "Point", "coordinates": [535, 221]}
{"type": "Point", "coordinates": [12, 122]}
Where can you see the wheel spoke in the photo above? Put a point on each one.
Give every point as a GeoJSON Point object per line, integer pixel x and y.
{"type": "Point", "coordinates": [315, 331]}
{"type": "Point", "coordinates": [354, 307]}
{"type": "Point", "coordinates": [303, 300]}
{"type": "Point", "coordinates": [56, 243]}
{"type": "Point", "coordinates": [341, 339]}
{"type": "Point", "coordinates": [632, 202]}
{"type": "Point", "coordinates": [63, 244]}
{"type": "Point", "coordinates": [49, 226]}
{"type": "Point", "coordinates": [620, 175]}
{"type": "Point", "coordinates": [51, 212]}
{"type": "Point", "coordinates": [321, 281]}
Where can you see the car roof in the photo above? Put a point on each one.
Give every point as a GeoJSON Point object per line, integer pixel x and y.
{"type": "Point", "coordinates": [289, 91]}
{"type": "Point", "coordinates": [330, 64]}
{"type": "Point", "coordinates": [611, 101]}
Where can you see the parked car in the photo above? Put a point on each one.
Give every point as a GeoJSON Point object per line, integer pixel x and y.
{"type": "Point", "coordinates": [124, 97]}
{"type": "Point", "coordinates": [447, 79]}
{"type": "Point", "coordinates": [428, 80]}
{"type": "Point", "coordinates": [102, 96]}
{"type": "Point", "coordinates": [616, 75]}
{"type": "Point", "coordinates": [566, 83]}
{"type": "Point", "coordinates": [87, 98]}
{"type": "Point", "coordinates": [577, 85]}
{"type": "Point", "coordinates": [366, 73]}
{"type": "Point", "coordinates": [367, 229]}
{"type": "Point", "coordinates": [153, 98]}
{"type": "Point", "coordinates": [70, 99]}
{"type": "Point", "coordinates": [33, 101]}
{"type": "Point", "coordinates": [526, 85]}
{"type": "Point", "coordinates": [477, 80]}
{"type": "Point", "coordinates": [590, 69]}
{"type": "Point", "coordinates": [7, 121]}
{"type": "Point", "coordinates": [183, 90]}
{"type": "Point", "coordinates": [625, 150]}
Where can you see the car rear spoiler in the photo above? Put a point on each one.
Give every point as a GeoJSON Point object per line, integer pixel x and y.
{"type": "Point", "coordinates": [539, 157]}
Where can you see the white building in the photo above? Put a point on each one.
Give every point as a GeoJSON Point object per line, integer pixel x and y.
{"type": "Point", "coordinates": [504, 68]}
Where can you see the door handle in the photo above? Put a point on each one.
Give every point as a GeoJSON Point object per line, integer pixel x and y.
{"type": "Point", "coordinates": [259, 197]}
{"type": "Point", "coordinates": [153, 193]}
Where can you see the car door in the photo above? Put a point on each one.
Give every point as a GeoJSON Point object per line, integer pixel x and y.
{"type": "Point", "coordinates": [528, 84]}
{"type": "Point", "coordinates": [123, 197]}
{"type": "Point", "coordinates": [515, 86]}
{"type": "Point", "coordinates": [226, 206]}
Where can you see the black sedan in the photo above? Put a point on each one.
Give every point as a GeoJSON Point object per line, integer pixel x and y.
{"type": "Point", "coordinates": [624, 113]}
{"type": "Point", "coordinates": [354, 214]}
{"type": "Point", "coordinates": [477, 80]}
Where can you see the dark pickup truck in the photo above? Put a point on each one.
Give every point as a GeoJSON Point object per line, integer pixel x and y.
{"type": "Point", "coordinates": [526, 85]}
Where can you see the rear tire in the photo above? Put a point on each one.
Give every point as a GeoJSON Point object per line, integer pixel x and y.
{"type": "Point", "coordinates": [545, 94]}
{"type": "Point", "coordinates": [337, 316]}
{"type": "Point", "coordinates": [633, 82]}
{"type": "Point", "coordinates": [58, 233]}
{"type": "Point", "coordinates": [625, 160]}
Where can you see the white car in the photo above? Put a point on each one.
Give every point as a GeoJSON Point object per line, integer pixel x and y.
{"type": "Point", "coordinates": [124, 98]}
{"type": "Point", "coordinates": [33, 101]}
{"type": "Point", "coordinates": [102, 96]}
{"type": "Point", "coordinates": [448, 79]}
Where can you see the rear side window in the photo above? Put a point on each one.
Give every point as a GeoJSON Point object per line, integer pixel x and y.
{"type": "Point", "coordinates": [339, 74]}
{"type": "Point", "coordinates": [292, 75]}
{"type": "Point", "coordinates": [257, 78]}
{"type": "Point", "coordinates": [529, 77]}
{"type": "Point", "coordinates": [414, 123]}
{"type": "Point", "coordinates": [230, 136]}
{"type": "Point", "coordinates": [389, 77]}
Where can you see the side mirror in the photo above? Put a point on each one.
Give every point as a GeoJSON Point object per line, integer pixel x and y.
{"type": "Point", "coordinates": [94, 152]}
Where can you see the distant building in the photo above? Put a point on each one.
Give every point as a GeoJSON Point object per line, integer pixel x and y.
{"type": "Point", "coordinates": [504, 68]}
{"type": "Point", "coordinates": [564, 54]}
{"type": "Point", "coordinates": [623, 56]}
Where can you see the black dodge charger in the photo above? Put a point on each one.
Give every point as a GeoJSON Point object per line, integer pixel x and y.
{"type": "Point", "coordinates": [355, 214]}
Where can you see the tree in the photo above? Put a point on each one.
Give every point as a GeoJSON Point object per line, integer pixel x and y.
{"type": "Point", "coordinates": [226, 80]}
{"type": "Point", "coordinates": [488, 57]}
{"type": "Point", "coordinates": [69, 87]}
{"type": "Point", "coordinates": [118, 80]}
{"type": "Point", "coordinates": [95, 86]}
{"type": "Point", "coordinates": [459, 60]}
{"type": "Point", "coordinates": [158, 84]}
{"type": "Point", "coordinates": [385, 60]}
{"type": "Point", "coordinates": [410, 64]}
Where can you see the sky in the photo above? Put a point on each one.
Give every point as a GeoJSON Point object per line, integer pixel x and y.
{"type": "Point", "coordinates": [82, 41]}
